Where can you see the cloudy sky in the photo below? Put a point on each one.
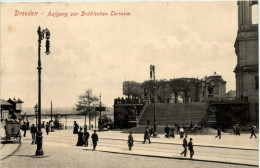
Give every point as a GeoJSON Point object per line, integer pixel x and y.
{"type": "Point", "coordinates": [182, 39]}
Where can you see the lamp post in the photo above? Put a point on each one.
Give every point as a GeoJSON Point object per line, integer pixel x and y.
{"type": "Point", "coordinates": [36, 113]}
{"type": "Point", "coordinates": [99, 124]}
{"type": "Point", "coordinates": [41, 34]}
{"type": "Point", "coordinates": [152, 76]}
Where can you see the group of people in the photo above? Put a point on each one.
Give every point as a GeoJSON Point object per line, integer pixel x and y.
{"type": "Point", "coordinates": [84, 136]}
{"type": "Point", "coordinates": [185, 144]}
{"type": "Point", "coordinates": [33, 129]}
{"type": "Point", "coordinates": [169, 132]}
{"type": "Point", "coordinates": [127, 100]}
{"type": "Point", "coordinates": [237, 131]}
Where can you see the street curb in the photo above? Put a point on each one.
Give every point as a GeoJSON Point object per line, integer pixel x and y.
{"type": "Point", "coordinates": [206, 146]}
{"type": "Point", "coordinates": [177, 158]}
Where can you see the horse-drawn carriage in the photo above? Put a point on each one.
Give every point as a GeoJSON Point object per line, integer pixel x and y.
{"type": "Point", "coordinates": [12, 130]}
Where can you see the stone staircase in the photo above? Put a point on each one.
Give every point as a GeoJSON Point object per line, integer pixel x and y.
{"type": "Point", "coordinates": [175, 113]}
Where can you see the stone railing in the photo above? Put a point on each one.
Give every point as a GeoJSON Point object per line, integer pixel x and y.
{"type": "Point", "coordinates": [142, 111]}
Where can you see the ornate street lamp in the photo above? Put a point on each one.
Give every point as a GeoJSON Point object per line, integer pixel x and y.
{"type": "Point", "coordinates": [41, 34]}
{"type": "Point", "coordinates": [152, 76]}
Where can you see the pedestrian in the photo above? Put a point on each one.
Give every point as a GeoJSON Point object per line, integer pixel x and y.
{"type": "Point", "coordinates": [86, 137]}
{"type": "Point", "coordinates": [237, 130]}
{"type": "Point", "coordinates": [253, 131]}
{"type": "Point", "coordinates": [146, 136]}
{"type": "Point", "coordinates": [76, 128]}
{"type": "Point", "coordinates": [167, 131]}
{"type": "Point", "coordinates": [85, 128]}
{"type": "Point", "coordinates": [219, 133]}
{"type": "Point", "coordinates": [47, 128]}
{"type": "Point", "coordinates": [94, 137]}
{"type": "Point", "coordinates": [28, 125]}
{"type": "Point", "coordinates": [234, 128]}
{"type": "Point", "coordinates": [33, 132]}
{"type": "Point", "coordinates": [80, 138]}
{"type": "Point", "coordinates": [190, 145]}
{"type": "Point", "coordinates": [172, 132]}
{"type": "Point", "coordinates": [181, 132]}
{"type": "Point", "coordinates": [24, 128]}
{"type": "Point", "coordinates": [184, 144]}
{"type": "Point", "coordinates": [130, 141]}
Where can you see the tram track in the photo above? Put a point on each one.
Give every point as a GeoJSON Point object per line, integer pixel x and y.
{"type": "Point", "coordinates": [17, 148]}
{"type": "Point", "coordinates": [2, 146]}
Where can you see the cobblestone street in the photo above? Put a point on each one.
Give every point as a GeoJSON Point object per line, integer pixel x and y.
{"type": "Point", "coordinates": [60, 150]}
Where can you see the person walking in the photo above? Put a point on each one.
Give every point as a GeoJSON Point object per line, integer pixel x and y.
{"type": "Point", "coordinates": [146, 135]}
{"type": "Point", "coordinates": [190, 145]}
{"type": "Point", "coordinates": [167, 131]}
{"type": "Point", "coordinates": [80, 138]}
{"type": "Point", "coordinates": [172, 132]}
{"type": "Point", "coordinates": [181, 132]}
{"type": "Point", "coordinates": [76, 128]}
{"type": "Point", "coordinates": [184, 144]}
{"type": "Point", "coordinates": [130, 141]}
{"type": "Point", "coordinates": [33, 132]}
{"type": "Point", "coordinates": [94, 137]}
{"type": "Point", "coordinates": [28, 125]}
{"type": "Point", "coordinates": [47, 128]}
{"type": "Point", "coordinates": [237, 130]}
{"type": "Point", "coordinates": [253, 131]}
{"type": "Point", "coordinates": [86, 137]}
{"type": "Point", "coordinates": [219, 133]}
{"type": "Point", "coordinates": [24, 128]}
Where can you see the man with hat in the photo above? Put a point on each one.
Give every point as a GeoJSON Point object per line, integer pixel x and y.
{"type": "Point", "coordinates": [130, 141]}
{"type": "Point", "coordinates": [184, 144]}
{"type": "Point", "coordinates": [94, 137]}
{"type": "Point", "coordinates": [190, 145]}
{"type": "Point", "coordinates": [146, 135]}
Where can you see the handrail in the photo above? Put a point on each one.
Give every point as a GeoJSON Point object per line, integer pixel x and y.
{"type": "Point", "coordinates": [142, 111]}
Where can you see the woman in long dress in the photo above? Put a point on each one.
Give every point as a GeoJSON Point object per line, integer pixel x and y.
{"type": "Point", "coordinates": [80, 138]}
{"type": "Point", "coordinates": [76, 128]}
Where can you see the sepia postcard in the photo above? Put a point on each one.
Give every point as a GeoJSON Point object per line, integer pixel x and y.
{"type": "Point", "coordinates": [144, 84]}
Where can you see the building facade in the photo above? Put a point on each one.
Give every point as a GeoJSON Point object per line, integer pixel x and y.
{"type": "Point", "coordinates": [246, 49]}
{"type": "Point", "coordinates": [213, 88]}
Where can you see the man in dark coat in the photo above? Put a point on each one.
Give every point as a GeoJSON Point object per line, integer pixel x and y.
{"type": "Point", "coordinates": [47, 128]}
{"type": "Point", "coordinates": [130, 141]}
{"type": "Point", "coordinates": [76, 128]}
{"type": "Point", "coordinates": [33, 132]}
{"type": "Point", "coordinates": [184, 144]}
{"type": "Point", "coordinates": [86, 136]}
{"type": "Point", "coordinates": [219, 133]}
{"type": "Point", "coordinates": [28, 125]}
{"type": "Point", "coordinates": [167, 131]}
{"type": "Point", "coordinates": [24, 128]}
{"type": "Point", "coordinates": [253, 131]}
{"type": "Point", "coordinates": [94, 137]}
{"type": "Point", "coordinates": [147, 135]}
{"type": "Point", "coordinates": [237, 130]}
{"type": "Point", "coordinates": [190, 145]}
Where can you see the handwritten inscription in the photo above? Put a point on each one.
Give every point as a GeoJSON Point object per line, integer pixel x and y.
{"type": "Point", "coordinates": [57, 14]}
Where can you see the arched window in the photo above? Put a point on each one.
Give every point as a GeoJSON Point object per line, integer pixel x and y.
{"type": "Point", "coordinates": [255, 14]}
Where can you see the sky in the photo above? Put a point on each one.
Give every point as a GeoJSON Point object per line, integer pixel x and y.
{"type": "Point", "coordinates": [182, 39]}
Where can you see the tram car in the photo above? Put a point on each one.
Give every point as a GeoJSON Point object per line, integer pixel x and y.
{"type": "Point", "coordinates": [105, 123]}
{"type": "Point", "coordinates": [12, 130]}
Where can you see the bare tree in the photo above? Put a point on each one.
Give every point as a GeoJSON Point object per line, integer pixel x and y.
{"type": "Point", "coordinates": [85, 104]}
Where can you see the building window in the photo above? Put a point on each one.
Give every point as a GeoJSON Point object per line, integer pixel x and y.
{"type": "Point", "coordinates": [255, 14]}
{"type": "Point", "coordinates": [256, 82]}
